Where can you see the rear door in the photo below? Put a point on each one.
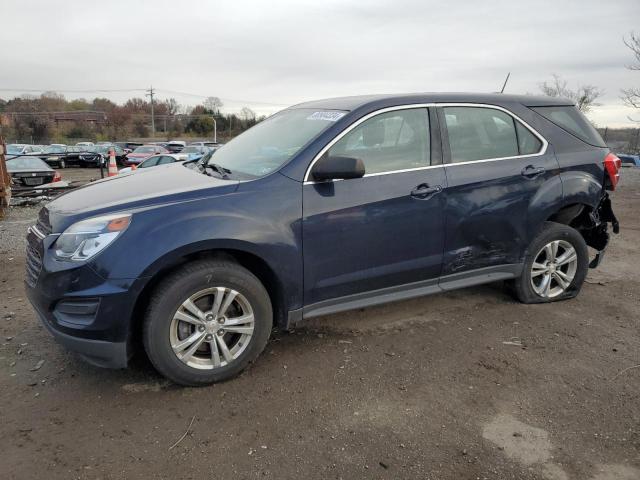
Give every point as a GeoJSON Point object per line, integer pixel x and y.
{"type": "Point", "coordinates": [382, 230]}
{"type": "Point", "coordinates": [495, 165]}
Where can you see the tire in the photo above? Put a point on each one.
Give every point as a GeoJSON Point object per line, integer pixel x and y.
{"type": "Point", "coordinates": [165, 330]}
{"type": "Point", "coordinates": [565, 277]}
{"type": "Point", "coordinates": [62, 164]}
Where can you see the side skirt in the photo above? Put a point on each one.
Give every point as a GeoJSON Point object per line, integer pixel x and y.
{"type": "Point", "coordinates": [404, 292]}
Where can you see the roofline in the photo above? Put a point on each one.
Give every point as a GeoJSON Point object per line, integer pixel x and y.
{"type": "Point", "coordinates": [351, 103]}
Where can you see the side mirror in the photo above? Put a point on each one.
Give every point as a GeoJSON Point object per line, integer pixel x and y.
{"type": "Point", "coordinates": [334, 168]}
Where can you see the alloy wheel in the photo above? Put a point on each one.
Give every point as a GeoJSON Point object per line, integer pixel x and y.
{"type": "Point", "coordinates": [554, 268]}
{"type": "Point", "coordinates": [212, 328]}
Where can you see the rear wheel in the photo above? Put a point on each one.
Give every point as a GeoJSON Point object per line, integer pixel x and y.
{"type": "Point", "coordinates": [207, 322]}
{"type": "Point", "coordinates": [62, 164]}
{"type": "Point", "coordinates": [555, 266]}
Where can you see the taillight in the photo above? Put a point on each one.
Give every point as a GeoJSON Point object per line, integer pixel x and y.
{"type": "Point", "coordinates": [57, 177]}
{"type": "Point", "coordinates": [612, 166]}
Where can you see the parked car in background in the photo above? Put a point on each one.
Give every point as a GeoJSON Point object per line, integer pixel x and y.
{"type": "Point", "coordinates": [29, 172]}
{"type": "Point", "coordinates": [192, 152]}
{"type": "Point", "coordinates": [22, 149]}
{"type": "Point", "coordinates": [154, 161]}
{"type": "Point", "coordinates": [64, 155]}
{"type": "Point", "coordinates": [55, 154]}
{"type": "Point", "coordinates": [131, 146]}
{"type": "Point", "coordinates": [323, 207]}
{"type": "Point", "coordinates": [85, 144]}
{"type": "Point", "coordinates": [104, 143]}
{"type": "Point", "coordinates": [74, 155]}
{"type": "Point", "coordinates": [100, 153]}
{"type": "Point", "coordinates": [211, 145]}
{"type": "Point", "coordinates": [175, 146]}
{"type": "Point", "coordinates": [143, 152]}
{"type": "Point", "coordinates": [629, 160]}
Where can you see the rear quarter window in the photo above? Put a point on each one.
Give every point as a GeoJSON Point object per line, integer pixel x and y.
{"type": "Point", "coordinates": [571, 120]}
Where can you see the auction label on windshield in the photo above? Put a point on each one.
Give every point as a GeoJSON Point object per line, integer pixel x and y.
{"type": "Point", "coordinates": [326, 116]}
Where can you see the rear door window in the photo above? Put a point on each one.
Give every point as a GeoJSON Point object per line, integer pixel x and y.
{"type": "Point", "coordinates": [481, 133]}
{"type": "Point", "coordinates": [478, 133]}
{"type": "Point", "coordinates": [571, 120]}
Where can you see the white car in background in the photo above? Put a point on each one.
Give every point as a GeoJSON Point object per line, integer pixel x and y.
{"type": "Point", "coordinates": [22, 149]}
{"type": "Point", "coordinates": [212, 145]}
{"type": "Point", "coordinates": [193, 152]}
{"type": "Point", "coordinates": [154, 161]}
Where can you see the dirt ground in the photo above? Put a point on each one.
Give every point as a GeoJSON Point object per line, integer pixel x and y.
{"type": "Point", "coordinates": [464, 385]}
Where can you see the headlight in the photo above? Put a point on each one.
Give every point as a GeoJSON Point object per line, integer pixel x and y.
{"type": "Point", "coordinates": [87, 238]}
{"type": "Point", "coordinates": [53, 158]}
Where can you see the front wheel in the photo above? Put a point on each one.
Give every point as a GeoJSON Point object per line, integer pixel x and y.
{"type": "Point", "coordinates": [555, 265]}
{"type": "Point", "coordinates": [207, 322]}
{"type": "Point", "coordinates": [62, 164]}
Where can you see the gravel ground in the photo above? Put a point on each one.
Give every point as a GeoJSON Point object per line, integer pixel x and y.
{"type": "Point", "coordinates": [463, 385]}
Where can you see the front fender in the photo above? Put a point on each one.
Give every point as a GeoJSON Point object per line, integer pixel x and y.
{"type": "Point", "coordinates": [262, 219]}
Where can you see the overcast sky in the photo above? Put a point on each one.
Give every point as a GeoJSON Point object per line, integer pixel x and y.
{"type": "Point", "coordinates": [270, 54]}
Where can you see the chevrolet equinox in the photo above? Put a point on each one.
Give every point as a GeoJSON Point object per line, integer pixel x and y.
{"type": "Point", "coordinates": [323, 207]}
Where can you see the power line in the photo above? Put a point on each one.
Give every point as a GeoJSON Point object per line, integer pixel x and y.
{"type": "Point", "coordinates": [255, 102]}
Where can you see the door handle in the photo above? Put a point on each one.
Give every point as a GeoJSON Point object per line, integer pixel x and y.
{"type": "Point", "coordinates": [424, 191]}
{"type": "Point", "coordinates": [530, 171]}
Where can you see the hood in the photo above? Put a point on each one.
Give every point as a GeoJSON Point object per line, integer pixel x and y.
{"type": "Point", "coordinates": [159, 185]}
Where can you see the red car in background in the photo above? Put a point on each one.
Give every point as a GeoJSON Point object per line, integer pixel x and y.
{"type": "Point", "coordinates": [143, 152]}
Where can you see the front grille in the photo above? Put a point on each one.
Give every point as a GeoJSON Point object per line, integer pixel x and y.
{"type": "Point", "coordinates": [33, 265]}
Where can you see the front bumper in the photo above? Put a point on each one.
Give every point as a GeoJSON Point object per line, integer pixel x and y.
{"type": "Point", "coordinates": [96, 352]}
{"type": "Point", "coordinates": [83, 311]}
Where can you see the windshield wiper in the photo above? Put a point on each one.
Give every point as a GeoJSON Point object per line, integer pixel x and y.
{"type": "Point", "coordinates": [219, 169]}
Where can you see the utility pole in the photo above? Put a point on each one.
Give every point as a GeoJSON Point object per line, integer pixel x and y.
{"type": "Point", "coordinates": [153, 120]}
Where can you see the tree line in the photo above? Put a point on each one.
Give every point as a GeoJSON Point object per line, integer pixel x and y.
{"type": "Point", "coordinates": [51, 118]}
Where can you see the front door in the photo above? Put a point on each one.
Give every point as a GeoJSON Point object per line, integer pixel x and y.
{"type": "Point", "coordinates": [386, 228]}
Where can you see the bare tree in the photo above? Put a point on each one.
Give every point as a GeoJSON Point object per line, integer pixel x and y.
{"type": "Point", "coordinates": [214, 104]}
{"type": "Point", "coordinates": [247, 114]}
{"type": "Point", "coordinates": [631, 96]}
{"type": "Point", "coordinates": [172, 106]}
{"type": "Point", "coordinates": [584, 96]}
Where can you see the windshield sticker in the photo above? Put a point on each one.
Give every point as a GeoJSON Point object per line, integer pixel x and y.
{"type": "Point", "coordinates": [326, 116]}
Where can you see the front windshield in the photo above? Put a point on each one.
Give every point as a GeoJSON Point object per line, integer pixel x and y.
{"type": "Point", "coordinates": [54, 149]}
{"type": "Point", "coordinates": [145, 150]}
{"type": "Point", "coordinates": [272, 142]}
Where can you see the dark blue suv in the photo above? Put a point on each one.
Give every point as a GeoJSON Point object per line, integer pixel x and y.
{"type": "Point", "coordinates": [326, 206]}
